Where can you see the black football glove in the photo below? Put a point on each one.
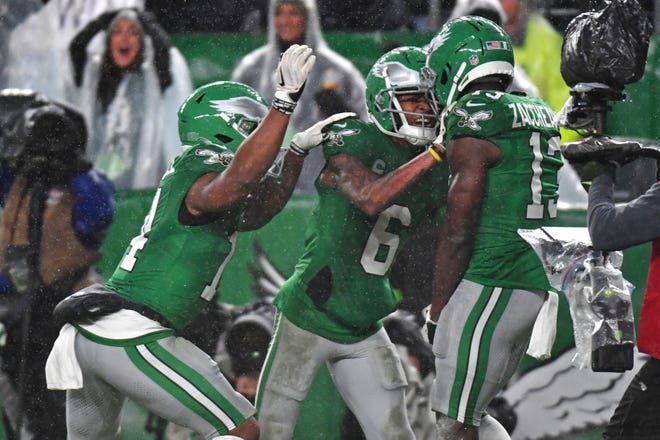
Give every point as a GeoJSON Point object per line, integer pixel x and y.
{"type": "Point", "coordinates": [602, 149]}
{"type": "Point", "coordinates": [596, 155]}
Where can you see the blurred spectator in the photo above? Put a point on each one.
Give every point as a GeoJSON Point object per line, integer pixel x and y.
{"type": "Point", "coordinates": [57, 209]}
{"type": "Point", "coordinates": [334, 85]}
{"type": "Point", "coordinates": [37, 57]}
{"type": "Point", "coordinates": [129, 91]}
{"type": "Point", "coordinates": [246, 343]}
{"type": "Point", "coordinates": [12, 13]}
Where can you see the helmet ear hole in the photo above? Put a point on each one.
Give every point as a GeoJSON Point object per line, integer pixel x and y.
{"type": "Point", "coordinates": [444, 77]}
{"type": "Point", "coordinates": [223, 139]}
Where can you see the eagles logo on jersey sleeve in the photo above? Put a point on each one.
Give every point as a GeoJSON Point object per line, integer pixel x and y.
{"type": "Point", "coordinates": [203, 158]}
{"type": "Point", "coordinates": [477, 114]}
{"type": "Point", "coordinates": [342, 136]}
{"type": "Point", "coordinates": [486, 114]}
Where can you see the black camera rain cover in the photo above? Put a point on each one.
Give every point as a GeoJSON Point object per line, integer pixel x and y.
{"type": "Point", "coordinates": [32, 124]}
{"type": "Point", "coordinates": [607, 46]}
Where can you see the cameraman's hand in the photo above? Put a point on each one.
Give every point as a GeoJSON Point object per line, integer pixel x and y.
{"type": "Point", "coordinates": [592, 169]}
{"type": "Point", "coordinates": [304, 141]}
{"type": "Point", "coordinates": [292, 72]}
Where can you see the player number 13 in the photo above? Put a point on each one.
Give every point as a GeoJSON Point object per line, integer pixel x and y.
{"type": "Point", "coordinates": [536, 209]}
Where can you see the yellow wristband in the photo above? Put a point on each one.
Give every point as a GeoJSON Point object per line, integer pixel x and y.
{"type": "Point", "coordinates": [435, 154]}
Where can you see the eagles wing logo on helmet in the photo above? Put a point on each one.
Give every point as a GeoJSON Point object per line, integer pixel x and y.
{"type": "Point", "coordinates": [221, 113]}
{"type": "Point", "coordinates": [438, 41]}
{"type": "Point", "coordinates": [470, 121]}
{"type": "Point", "coordinates": [379, 70]}
{"type": "Point", "coordinates": [243, 105]}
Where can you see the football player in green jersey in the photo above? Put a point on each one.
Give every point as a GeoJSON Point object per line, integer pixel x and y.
{"type": "Point", "coordinates": [489, 285]}
{"type": "Point", "coordinates": [172, 269]}
{"type": "Point", "coordinates": [378, 182]}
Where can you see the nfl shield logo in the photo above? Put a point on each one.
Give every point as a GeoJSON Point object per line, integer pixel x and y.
{"type": "Point", "coordinates": [474, 60]}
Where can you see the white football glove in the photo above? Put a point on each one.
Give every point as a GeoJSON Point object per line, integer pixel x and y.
{"type": "Point", "coordinates": [304, 141]}
{"type": "Point", "coordinates": [292, 72]}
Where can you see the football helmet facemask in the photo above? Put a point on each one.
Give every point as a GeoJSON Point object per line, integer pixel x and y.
{"type": "Point", "coordinates": [463, 51]}
{"type": "Point", "coordinates": [395, 74]}
{"type": "Point", "coordinates": [222, 113]}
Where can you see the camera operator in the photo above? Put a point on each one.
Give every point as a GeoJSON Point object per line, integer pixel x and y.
{"type": "Point", "coordinates": [56, 212]}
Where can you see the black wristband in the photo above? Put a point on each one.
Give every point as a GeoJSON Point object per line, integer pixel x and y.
{"type": "Point", "coordinates": [283, 106]}
{"type": "Point", "coordinates": [295, 149]}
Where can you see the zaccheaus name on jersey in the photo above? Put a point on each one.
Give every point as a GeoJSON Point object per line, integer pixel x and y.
{"type": "Point", "coordinates": [527, 114]}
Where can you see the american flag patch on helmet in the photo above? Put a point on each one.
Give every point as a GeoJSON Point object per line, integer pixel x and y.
{"type": "Point", "coordinates": [492, 45]}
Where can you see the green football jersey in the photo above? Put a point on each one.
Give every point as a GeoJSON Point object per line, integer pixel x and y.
{"type": "Point", "coordinates": [172, 268]}
{"type": "Point", "coordinates": [340, 289]}
{"type": "Point", "coordinates": [522, 188]}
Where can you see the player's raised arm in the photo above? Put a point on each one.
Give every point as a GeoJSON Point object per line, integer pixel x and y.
{"type": "Point", "coordinates": [256, 154]}
{"type": "Point", "coordinates": [275, 190]}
